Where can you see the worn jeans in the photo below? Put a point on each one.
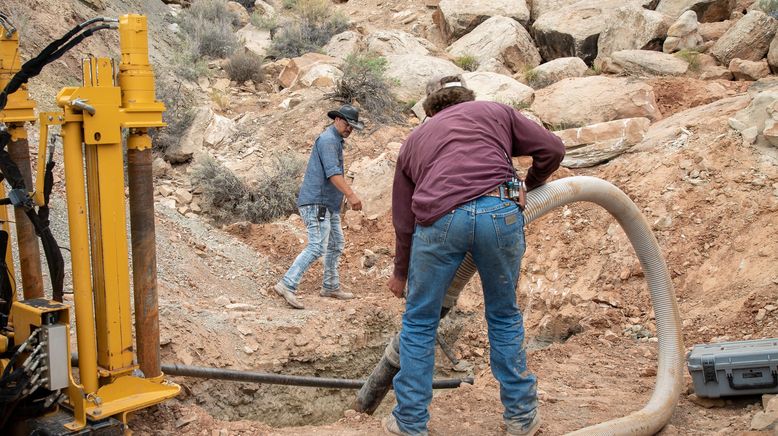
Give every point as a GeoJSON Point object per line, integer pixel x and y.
{"type": "Point", "coordinates": [493, 231]}
{"type": "Point", "coordinates": [325, 238]}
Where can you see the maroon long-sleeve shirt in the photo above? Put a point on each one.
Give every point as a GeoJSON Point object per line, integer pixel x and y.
{"type": "Point", "coordinates": [458, 155]}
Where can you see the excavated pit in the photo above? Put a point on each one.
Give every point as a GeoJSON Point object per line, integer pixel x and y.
{"type": "Point", "coordinates": [288, 406]}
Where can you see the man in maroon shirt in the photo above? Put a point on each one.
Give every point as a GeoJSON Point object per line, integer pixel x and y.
{"type": "Point", "coordinates": [449, 199]}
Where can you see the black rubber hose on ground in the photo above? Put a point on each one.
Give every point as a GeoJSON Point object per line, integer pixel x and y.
{"type": "Point", "coordinates": [277, 379]}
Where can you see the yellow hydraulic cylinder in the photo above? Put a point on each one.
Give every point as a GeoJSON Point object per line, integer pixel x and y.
{"type": "Point", "coordinates": [79, 249]}
{"type": "Point", "coordinates": [18, 110]}
{"type": "Point", "coordinates": [105, 189]}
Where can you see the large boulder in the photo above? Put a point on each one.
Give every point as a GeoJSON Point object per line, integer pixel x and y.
{"type": "Point", "coordinates": [239, 11]}
{"type": "Point", "coordinates": [343, 44]}
{"type": "Point", "coordinates": [218, 130]}
{"type": "Point", "coordinates": [413, 71]}
{"type": "Point", "coordinates": [500, 88]}
{"type": "Point", "coordinates": [502, 39]}
{"type": "Point", "coordinates": [574, 30]}
{"type": "Point", "coordinates": [749, 70]}
{"type": "Point", "coordinates": [594, 144]}
{"type": "Point", "coordinates": [706, 10]}
{"type": "Point", "coordinates": [582, 101]}
{"type": "Point", "coordinates": [772, 55]}
{"type": "Point", "coordinates": [322, 75]}
{"type": "Point", "coordinates": [649, 63]}
{"type": "Point", "coordinates": [540, 7]}
{"type": "Point", "coordinates": [748, 39]}
{"type": "Point", "coordinates": [633, 28]}
{"type": "Point", "coordinates": [553, 71]}
{"type": "Point", "coordinates": [255, 40]}
{"type": "Point", "coordinates": [373, 181]}
{"type": "Point", "coordinates": [299, 66]}
{"type": "Point", "coordinates": [683, 34]}
{"type": "Point", "coordinates": [759, 121]}
{"type": "Point", "coordinates": [456, 18]}
{"type": "Point", "coordinates": [397, 42]}
{"type": "Point", "coordinates": [193, 138]}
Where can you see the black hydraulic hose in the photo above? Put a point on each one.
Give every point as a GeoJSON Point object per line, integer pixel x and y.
{"type": "Point", "coordinates": [290, 380]}
{"type": "Point", "coordinates": [279, 379]}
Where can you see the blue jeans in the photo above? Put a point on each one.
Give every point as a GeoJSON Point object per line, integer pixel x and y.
{"type": "Point", "coordinates": [493, 231]}
{"type": "Point", "coordinates": [325, 238]}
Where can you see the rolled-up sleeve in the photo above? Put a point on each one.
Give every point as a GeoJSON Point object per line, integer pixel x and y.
{"type": "Point", "coordinates": [546, 149]}
{"type": "Point", "coordinates": [330, 158]}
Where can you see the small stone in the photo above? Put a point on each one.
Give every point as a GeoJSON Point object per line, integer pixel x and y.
{"type": "Point", "coordinates": [165, 190]}
{"type": "Point", "coordinates": [350, 413]}
{"type": "Point", "coordinates": [180, 422]}
{"type": "Point", "coordinates": [764, 421]}
{"type": "Point", "coordinates": [648, 372]}
{"type": "Point", "coordinates": [240, 307]}
{"type": "Point", "coordinates": [708, 403]}
{"type": "Point", "coordinates": [300, 341]}
{"type": "Point", "coordinates": [222, 300]}
{"type": "Point", "coordinates": [760, 314]}
{"type": "Point", "coordinates": [770, 307]}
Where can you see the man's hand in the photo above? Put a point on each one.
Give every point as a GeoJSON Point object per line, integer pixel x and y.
{"type": "Point", "coordinates": [354, 201]}
{"type": "Point", "coordinates": [397, 286]}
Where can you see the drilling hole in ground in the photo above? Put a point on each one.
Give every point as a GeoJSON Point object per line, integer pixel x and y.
{"type": "Point", "coordinates": [290, 406]}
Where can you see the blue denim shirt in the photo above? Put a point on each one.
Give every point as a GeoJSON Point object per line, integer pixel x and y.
{"type": "Point", "coordinates": [326, 161]}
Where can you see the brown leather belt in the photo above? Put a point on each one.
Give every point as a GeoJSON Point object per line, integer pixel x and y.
{"type": "Point", "coordinates": [496, 192]}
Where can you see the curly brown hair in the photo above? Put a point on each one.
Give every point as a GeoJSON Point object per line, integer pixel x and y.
{"type": "Point", "coordinates": [439, 97]}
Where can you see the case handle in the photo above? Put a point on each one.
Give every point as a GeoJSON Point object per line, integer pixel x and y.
{"type": "Point", "coordinates": [765, 385]}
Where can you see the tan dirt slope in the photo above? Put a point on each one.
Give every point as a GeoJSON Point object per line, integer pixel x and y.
{"type": "Point", "coordinates": [713, 203]}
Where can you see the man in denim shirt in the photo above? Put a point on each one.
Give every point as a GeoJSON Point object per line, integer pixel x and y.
{"type": "Point", "coordinates": [321, 195]}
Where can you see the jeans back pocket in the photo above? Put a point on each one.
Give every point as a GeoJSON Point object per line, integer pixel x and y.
{"type": "Point", "coordinates": [509, 227]}
{"type": "Point", "coordinates": [435, 233]}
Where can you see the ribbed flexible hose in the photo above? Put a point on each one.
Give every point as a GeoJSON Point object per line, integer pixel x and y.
{"type": "Point", "coordinates": [669, 378]}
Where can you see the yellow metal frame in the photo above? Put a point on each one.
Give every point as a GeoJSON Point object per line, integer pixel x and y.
{"type": "Point", "coordinates": [92, 117]}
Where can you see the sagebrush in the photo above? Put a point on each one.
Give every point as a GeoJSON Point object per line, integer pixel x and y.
{"type": "Point", "coordinates": [243, 66]}
{"type": "Point", "coordinates": [228, 199]}
{"type": "Point", "coordinates": [209, 26]}
{"type": "Point", "coordinates": [178, 115]}
{"type": "Point", "coordinates": [364, 81]}
{"type": "Point", "coordinates": [312, 26]}
{"type": "Point", "coordinates": [467, 62]}
{"type": "Point", "coordinates": [692, 57]}
{"type": "Point", "coordinates": [770, 7]}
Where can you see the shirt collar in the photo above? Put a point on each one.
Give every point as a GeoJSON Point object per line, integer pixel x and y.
{"type": "Point", "coordinates": [335, 132]}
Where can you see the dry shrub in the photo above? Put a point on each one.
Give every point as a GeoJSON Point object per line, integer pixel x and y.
{"type": "Point", "coordinates": [364, 81]}
{"type": "Point", "coordinates": [227, 199]}
{"type": "Point", "coordinates": [311, 28]}
{"type": "Point", "coordinates": [243, 66]}
{"type": "Point", "coordinates": [178, 115]}
{"type": "Point", "coordinates": [208, 24]}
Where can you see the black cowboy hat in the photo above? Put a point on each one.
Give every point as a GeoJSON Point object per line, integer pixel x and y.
{"type": "Point", "coordinates": [348, 113]}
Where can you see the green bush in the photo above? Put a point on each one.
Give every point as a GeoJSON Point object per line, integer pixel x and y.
{"type": "Point", "coordinates": [178, 115]}
{"type": "Point", "coordinates": [208, 24]}
{"type": "Point", "coordinates": [311, 28]}
{"type": "Point", "coordinates": [467, 63]}
{"type": "Point", "coordinates": [265, 22]}
{"type": "Point", "coordinates": [364, 81]}
{"type": "Point", "coordinates": [243, 66]}
{"type": "Point", "coordinates": [228, 199]}
{"type": "Point", "coordinates": [692, 57]}
{"type": "Point", "coordinates": [770, 7]}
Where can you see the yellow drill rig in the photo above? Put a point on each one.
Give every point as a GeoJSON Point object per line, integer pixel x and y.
{"type": "Point", "coordinates": [39, 391]}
